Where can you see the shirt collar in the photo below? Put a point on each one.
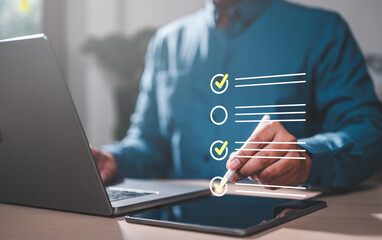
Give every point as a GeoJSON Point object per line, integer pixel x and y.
{"type": "Point", "coordinates": [244, 12]}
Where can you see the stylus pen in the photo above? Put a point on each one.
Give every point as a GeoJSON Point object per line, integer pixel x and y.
{"type": "Point", "coordinates": [229, 173]}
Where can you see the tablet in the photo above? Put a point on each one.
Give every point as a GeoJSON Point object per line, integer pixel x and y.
{"type": "Point", "coordinates": [229, 215]}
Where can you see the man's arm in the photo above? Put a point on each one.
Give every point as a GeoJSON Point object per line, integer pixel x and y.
{"type": "Point", "coordinates": [143, 151]}
{"type": "Point", "coordinates": [350, 148]}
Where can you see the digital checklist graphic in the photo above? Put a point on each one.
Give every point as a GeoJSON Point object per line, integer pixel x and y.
{"type": "Point", "coordinates": [219, 149]}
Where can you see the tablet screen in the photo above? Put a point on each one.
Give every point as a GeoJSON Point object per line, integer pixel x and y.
{"type": "Point", "coordinates": [230, 211]}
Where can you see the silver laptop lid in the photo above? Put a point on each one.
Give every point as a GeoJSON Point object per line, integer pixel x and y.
{"type": "Point", "coordinates": [45, 160]}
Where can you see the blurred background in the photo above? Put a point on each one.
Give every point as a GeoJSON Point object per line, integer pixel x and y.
{"type": "Point", "coordinates": [100, 46]}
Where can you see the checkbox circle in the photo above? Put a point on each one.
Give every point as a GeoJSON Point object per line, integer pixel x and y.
{"type": "Point", "coordinates": [212, 84]}
{"type": "Point", "coordinates": [212, 113]}
{"type": "Point", "coordinates": [212, 148]}
{"type": "Point", "coordinates": [212, 187]}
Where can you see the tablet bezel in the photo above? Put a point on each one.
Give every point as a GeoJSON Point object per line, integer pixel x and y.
{"type": "Point", "coordinates": [238, 232]}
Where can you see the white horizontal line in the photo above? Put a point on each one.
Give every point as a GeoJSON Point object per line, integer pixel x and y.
{"type": "Point", "coordinates": [266, 84]}
{"type": "Point", "coordinates": [241, 142]}
{"type": "Point", "coordinates": [302, 158]}
{"type": "Point", "coordinates": [266, 185]}
{"type": "Point", "coordinates": [271, 150]}
{"type": "Point", "coordinates": [272, 193]}
{"type": "Point", "coordinates": [280, 105]}
{"type": "Point", "coordinates": [274, 113]}
{"type": "Point", "coordinates": [38, 35]}
{"type": "Point", "coordinates": [272, 76]}
{"type": "Point", "coordinates": [278, 120]}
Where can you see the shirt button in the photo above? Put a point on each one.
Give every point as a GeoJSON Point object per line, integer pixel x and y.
{"type": "Point", "coordinates": [206, 158]}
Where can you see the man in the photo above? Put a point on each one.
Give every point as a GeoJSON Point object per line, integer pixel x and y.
{"type": "Point", "coordinates": [171, 131]}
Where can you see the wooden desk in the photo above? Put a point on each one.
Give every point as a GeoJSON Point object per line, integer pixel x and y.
{"type": "Point", "coordinates": [351, 215]}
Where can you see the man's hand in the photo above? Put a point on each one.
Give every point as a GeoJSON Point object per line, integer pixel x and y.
{"type": "Point", "coordinates": [106, 164]}
{"type": "Point", "coordinates": [272, 163]}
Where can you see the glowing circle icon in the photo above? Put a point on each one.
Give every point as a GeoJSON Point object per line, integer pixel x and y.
{"type": "Point", "coordinates": [225, 149]}
{"type": "Point", "coordinates": [225, 115]}
{"type": "Point", "coordinates": [214, 183]}
{"type": "Point", "coordinates": [219, 84]}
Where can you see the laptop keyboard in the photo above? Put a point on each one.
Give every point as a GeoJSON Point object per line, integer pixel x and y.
{"type": "Point", "coordinates": [117, 195]}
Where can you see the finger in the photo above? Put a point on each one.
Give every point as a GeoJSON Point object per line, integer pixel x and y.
{"type": "Point", "coordinates": [103, 176]}
{"type": "Point", "coordinates": [289, 178]}
{"type": "Point", "coordinates": [253, 178]}
{"type": "Point", "coordinates": [231, 156]}
{"type": "Point", "coordinates": [271, 153]}
{"type": "Point", "coordinates": [280, 167]}
{"type": "Point", "coordinates": [281, 143]}
{"type": "Point", "coordinates": [261, 160]}
{"type": "Point", "coordinates": [264, 133]}
{"type": "Point", "coordinates": [106, 175]}
{"type": "Point", "coordinates": [100, 163]}
{"type": "Point", "coordinates": [96, 153]}
{"type": "Point", "coordinates": [109, 174]}
{"type": "Point", "coordinates": [98, 157]}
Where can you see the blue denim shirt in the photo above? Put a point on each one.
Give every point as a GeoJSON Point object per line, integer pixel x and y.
{"type": "Point", "coordinates": [171, 130]}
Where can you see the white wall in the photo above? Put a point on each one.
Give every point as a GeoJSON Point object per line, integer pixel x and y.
{"type": "Point", "coordinates": [146, 13]}
{"type": "Point", "coordinates": [90, 84]}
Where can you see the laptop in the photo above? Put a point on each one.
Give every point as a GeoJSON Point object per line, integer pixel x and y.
{"type": "Point", "coordinates": [45, 159]}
